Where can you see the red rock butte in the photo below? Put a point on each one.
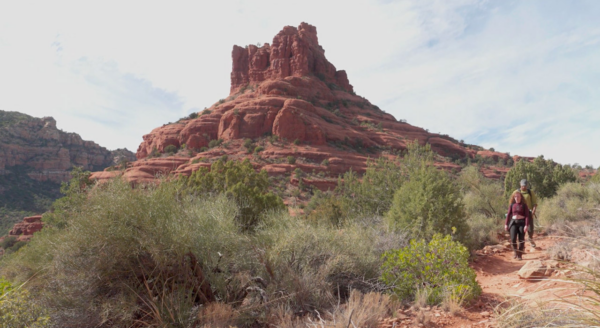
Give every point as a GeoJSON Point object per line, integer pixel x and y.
{"type": "Point", "coordinates": [287, 91]}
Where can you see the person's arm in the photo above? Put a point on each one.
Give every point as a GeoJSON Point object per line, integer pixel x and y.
{"type": "Point", "coordinates": [533, 204]}
{"type": "Point", "coordinates": [508, 216]}
{"type": "Point", "coordinates": [527, 216]}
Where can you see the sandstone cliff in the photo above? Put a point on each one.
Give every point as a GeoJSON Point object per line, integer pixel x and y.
{"type": "Point", "coordinates": [48, 151]}
{"type": "Point", "coordinates": [287, 98]}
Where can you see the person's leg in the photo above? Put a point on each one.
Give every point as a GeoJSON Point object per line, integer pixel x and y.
{"type": "Point", "coordinates": [514, 230]}
{"type": "Point", "coordinates": [521, 236]}
{"type": "Point", "coordinates": [530, 233]}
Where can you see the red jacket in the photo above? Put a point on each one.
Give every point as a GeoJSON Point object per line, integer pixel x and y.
{"type": "Point", "coordinates": [518, 209]}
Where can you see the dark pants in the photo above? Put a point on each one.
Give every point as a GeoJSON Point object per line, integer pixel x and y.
{"type": "Point", "coordinates": [530, 228]}
{"type": "Point", "coordinates": [517, 229]}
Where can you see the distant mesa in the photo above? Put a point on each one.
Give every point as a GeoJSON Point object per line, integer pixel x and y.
{"type": "Point", "coordinates": [287, 98]}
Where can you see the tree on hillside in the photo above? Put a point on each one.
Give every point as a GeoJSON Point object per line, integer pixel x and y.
{"type": "Point", "coordinates": [544, 176]}
{"type": "Point", "coordinates": [482, 195]}
{"type": "Point", "coordinates": [429, 202]}
{"type": "Point", "coordinates": [373, 193]}
{"type": "Point", "coordinates": [240, 182]}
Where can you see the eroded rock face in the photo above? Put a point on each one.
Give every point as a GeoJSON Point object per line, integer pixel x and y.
{"type": "Point", "coordinates": [293, 52]}
{"type": "Point", "coordinates": [50, 152]}
{"type": "Point", "coordinates": [288, 90]}
{"type": "Point", "coordinates": [25, 229]}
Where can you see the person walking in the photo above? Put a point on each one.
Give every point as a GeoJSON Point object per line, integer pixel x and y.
{"type": "Point", "coordinates": [530, 199]}
{"type": "Point", "coordinates": [517, 222]}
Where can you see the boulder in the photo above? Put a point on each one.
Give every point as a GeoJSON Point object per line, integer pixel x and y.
{"type": "Point", "coordinates": [25, 229]}
{"type": "Point", "coordinates": [536, 269]}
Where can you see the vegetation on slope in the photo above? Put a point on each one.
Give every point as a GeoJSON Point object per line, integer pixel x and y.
{"type": "Point", "coordinates": [169, 254]}
{"type": "Point", "coordinates": [22, 196]}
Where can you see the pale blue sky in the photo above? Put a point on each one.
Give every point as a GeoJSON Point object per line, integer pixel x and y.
{"type": "Point", "coordinates": [520, 76]}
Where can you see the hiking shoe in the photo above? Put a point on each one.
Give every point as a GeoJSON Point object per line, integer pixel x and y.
{"type": "Point", "coordinates": [532, 244]}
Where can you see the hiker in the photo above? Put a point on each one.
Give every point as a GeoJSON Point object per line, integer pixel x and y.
{"type": "Point", "coordinates": [517, 222]}
{"type": "Point", "coordinates": [531, 200]}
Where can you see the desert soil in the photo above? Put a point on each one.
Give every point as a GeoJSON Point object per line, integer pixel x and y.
{"type": "Point", "coordinates": [497, 276]}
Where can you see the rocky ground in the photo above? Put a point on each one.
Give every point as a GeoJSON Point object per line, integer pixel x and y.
{"type": "Point", "coordinates": [535, 279]}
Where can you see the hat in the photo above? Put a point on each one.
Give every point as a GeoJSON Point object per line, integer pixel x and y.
{"type": "Point", "coordinates": [524, 182]}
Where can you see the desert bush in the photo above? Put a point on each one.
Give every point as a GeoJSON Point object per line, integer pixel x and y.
{"type": "Point", "coordinates": [329, 211]}
{"type": "Point", "coordinates": [440, 267]}
{"type": "Point", "coordinates": [291, 160]}
{"type": "Point", "coordinates": [483, 230]}
{"type": "Point", "coordinates": [481, 195]}
{"type": "Point", "coordinates": [258, 149]}
{"type": "Point", "coordinates": [373, 193]}
{"type": "Point", "coordinates": [117, 255]}
{"type": "Point", "coordinates": [18, 308]}
{"type": "Point", "coordinates": [544, 176]}
{"type": "Point", "coordinates": [572, 202]}
{"type": "Point", "coordinates": [317, 265]}
{"type": "Point", "coordinates": [154, 254]}
{"type": "Point", "coordinates": [240, 182]}
{"type": "Point", "coordinates": [484, 206]}
{"type": "Point", "coordinates": [8, 242]}
{"type": "Point", "coordinates": [429, 203]}
{"type": "Point", "coordinates": [215, 143]}
{"type": "Point", "coordinates": [171, 149]}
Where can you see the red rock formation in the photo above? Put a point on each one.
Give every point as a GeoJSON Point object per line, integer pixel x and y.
{"type": "Point", "coordinates": [294, 52]}
{"type": "Point", "coordinates": [288, 89]}
{"type": "Point", "coordinates": [50, 152]}
{"type": "Point", "coordinates": [24, 230]}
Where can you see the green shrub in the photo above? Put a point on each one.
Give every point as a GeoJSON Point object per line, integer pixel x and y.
{"type": "Point", "coordinates": [8, 242]}
{"type": "Point", "coordinates": [238, 180]}
{"type": "Point", "coordinates": [171, 149]}
{"type": "Point", "coordinates": [329, 211]}
{"type": "Point", "coordinates": [544, 176]}
{"type": "Point", "coordinates": [18, 308]}
{"type": "Point", "coordinates": [484, 206]}
{"type": "Point", "coordinates": [481, 195]}
{"type": "Point", "coordinates": [325, 162]}
{"type": "Point", "coordinates": [296, 141]}
{"type": "Point", "coordinates": [373, 193]}
{"type": "Point", "coordinates": [440, 266]}
{"type": "Point", "coordinates": [291, 160]}
{"type": "Point", "coordinates": [215, 143]}
{"type": "Point", "coordinates": [596, 177]}
{"type": "Point", "coordinates": [429, 203]}
{"type": "Point", "coordinates": [193, 116]}
{"type": "Point", "coordinates": [258, 149]}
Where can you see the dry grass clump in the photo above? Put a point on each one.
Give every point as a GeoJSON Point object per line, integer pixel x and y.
{"type": "Point", "coordinates": [361, 310]}
{"type": "Point", "coordinates": [517, 314]}
{"type": "Point", "coordinates": [573, 202]}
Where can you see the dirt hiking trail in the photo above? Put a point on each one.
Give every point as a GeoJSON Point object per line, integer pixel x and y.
{"type": "Point", "coordinates": [497, 274]}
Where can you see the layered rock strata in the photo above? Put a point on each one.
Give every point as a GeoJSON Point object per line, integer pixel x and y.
{"type": "Point", "coordinates": [287, 91]}
{"type": "Point", "coordinates": [50, 152]}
